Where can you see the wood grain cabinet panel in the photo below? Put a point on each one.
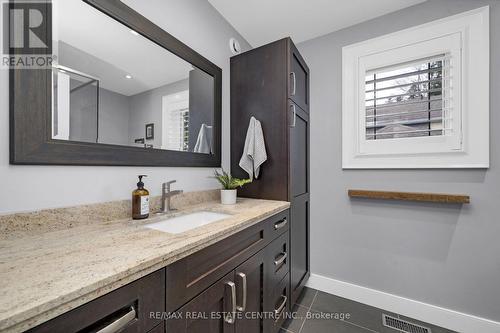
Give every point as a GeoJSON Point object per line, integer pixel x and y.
{"type": "Point", "coordinates": [299, 150]}
{"type": "Point", "coordinates": [299, 237]}
{"type": "Point", "coordinates": [203, 313]}
{"type": "Point", "coordinates": [259, 83]}
{"type": "Point", "coordinates": [251, 283]}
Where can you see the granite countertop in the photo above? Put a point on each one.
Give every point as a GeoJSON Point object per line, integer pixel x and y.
{"type": "Point", "coordinates": [44, 274]}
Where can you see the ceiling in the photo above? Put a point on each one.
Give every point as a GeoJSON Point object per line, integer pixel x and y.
{"type": "Point", "coordinates": [93, 43]}
{"type": "Point", "coordinates": [263, 21]}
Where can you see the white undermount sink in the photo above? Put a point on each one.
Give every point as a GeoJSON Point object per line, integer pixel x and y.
{"type": "Point", "coordinates": [178, 224]}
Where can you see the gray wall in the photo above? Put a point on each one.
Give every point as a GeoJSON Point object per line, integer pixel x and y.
{"type": "Point", "coordinates": [439, 254]}
{"type": "Point", "coordinates": [83, 112]}
{"type": "Point", "coordinates": [114, 114]}
{"type": "Point", "coordinates": [146, 108]}
{"type": "Point", "coordinates": [197, 24]}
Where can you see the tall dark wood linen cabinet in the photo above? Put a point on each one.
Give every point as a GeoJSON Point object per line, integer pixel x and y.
{"type": "Point", "coordinates": [271, 83]}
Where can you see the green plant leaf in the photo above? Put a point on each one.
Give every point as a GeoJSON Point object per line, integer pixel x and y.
{"type": "Point", "coordinates": [228, 182]}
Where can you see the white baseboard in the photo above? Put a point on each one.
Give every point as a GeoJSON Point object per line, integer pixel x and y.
{"type": "Point", "coordinates": [431, 314]}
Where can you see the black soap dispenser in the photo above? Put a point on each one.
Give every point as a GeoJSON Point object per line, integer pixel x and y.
{"type": "Point", "coordinates": [140, 201]}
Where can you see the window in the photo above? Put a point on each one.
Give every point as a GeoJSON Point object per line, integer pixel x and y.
{"type": "Point", "coordinates": [185, 129]}
{"type": "Point", "coordinates": [177, 129]}
{"type": "Point", "coordinates": [407, 101]}
{"type": "Point", "coordinates": [419, 98]}
{"type": "Point", "coordinates": [176, 121]}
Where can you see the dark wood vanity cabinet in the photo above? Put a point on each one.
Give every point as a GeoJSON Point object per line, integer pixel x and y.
{"type": "Point", "coordinates": [271, 83]}
{"type": "Point", "coordinates": [238, 285]}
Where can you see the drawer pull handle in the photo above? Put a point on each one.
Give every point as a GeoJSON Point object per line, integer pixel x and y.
{"type": "Point", "coordinates": [120, 323]}
{"type": "Point", "coordinates": [277, 312]}
{"type": "Point", "coordinates": [244, 292]}
{"type": "Point", "coordinates": [231, 316]}
{"type": "Point", "coordinates": [281, 259]}
{"type": "Point", "coordinates": [294, 85]}
{"type": "Point", "coordinates": [280, 224]}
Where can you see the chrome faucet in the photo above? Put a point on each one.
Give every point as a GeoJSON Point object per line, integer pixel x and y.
{"type": "Point", "coordinates": [166, 195]}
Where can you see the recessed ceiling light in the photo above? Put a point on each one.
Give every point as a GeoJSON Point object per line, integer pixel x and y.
{"type": "Point", "coordinates": [133, 32]}
{"type": "Point", "coordinates": [128, 76]}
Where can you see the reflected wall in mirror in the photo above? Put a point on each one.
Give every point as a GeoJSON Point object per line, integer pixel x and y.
{"type": "Point", "coordinates": [110, 82]}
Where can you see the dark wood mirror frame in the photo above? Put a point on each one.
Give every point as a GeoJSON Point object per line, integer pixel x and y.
{"type": "Point", "coordinates": [30, 117]}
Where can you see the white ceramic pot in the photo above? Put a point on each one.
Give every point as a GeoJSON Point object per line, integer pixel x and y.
{"type": "Point", "coordinates": [228, 197]}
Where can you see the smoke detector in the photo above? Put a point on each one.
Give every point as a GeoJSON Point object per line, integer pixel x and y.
{"type": "Point", "coordinates": [234, 46]}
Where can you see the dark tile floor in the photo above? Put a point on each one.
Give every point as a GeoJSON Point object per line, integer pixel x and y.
{"type": "Point", "coordinates": [319, 312]}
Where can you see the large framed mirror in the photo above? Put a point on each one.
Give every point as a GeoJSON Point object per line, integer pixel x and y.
{"type": "Point", "coordinates": [120, 91]}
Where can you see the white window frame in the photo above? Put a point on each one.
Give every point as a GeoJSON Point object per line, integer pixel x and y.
{"type": "Point", "coordinates": [465, 38]}
{"type": "Point", "coordinates": [172, 104]}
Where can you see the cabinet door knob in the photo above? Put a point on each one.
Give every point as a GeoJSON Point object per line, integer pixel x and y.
{"type": "Point", "coordinates": [294, 83]}
{"type": "Point", "coordinates": [244, 292]}
{"type": "Point", "coordinates": [230, 317]}
{"type": "Point", "coordinates": [280, 224]}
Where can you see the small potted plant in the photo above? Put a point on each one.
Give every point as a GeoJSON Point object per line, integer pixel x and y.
{"type": "Point", "coordinates": [229, 184]}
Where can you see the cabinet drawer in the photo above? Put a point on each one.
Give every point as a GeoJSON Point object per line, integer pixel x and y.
{"type": "Point", "coordinates": [279, 224]}
{"type": "Point", "coordinates": [127, 308]}
{"type": "Point", "coordinates": [278, 255]}
{"type": "Point", "coordinates": [279, 305]}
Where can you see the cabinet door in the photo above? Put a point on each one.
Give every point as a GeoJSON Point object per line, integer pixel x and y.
{"type": "Point", "coordinates": [299, 79]}
{"type": "Point", "coordinates": [299, 197]}
{"type": "Point", "coordinates": [299, 245]}
{"type": "Point", "coordinates": [299, 150]}
{"type": "Point", "coordinates": [250, 279]}
{"type": "Point", "coordinates": [206, 312]}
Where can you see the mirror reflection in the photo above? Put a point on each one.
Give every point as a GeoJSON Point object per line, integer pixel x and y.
{"type": "Point", "coordinates": [113, 86]}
